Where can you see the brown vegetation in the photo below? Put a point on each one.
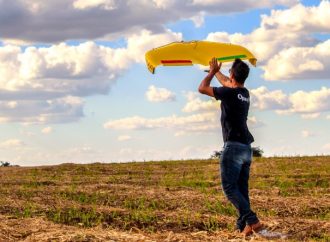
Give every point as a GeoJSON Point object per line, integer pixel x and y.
{"type": "Point", "coordinates": [159, 201]}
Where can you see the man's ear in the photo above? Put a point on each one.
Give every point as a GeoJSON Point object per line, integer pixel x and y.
{"type": "Point", "coordinates": [231, 75]}
{"type": "Point", "coordinates": [231, 78]}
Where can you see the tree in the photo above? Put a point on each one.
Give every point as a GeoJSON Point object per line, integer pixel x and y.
{"type": "Point", "coordinates": [4, 163]}
{"type": "Point", "coordinates": [216, 154]}
{"type": "Point", "coordinates": [257, 151]}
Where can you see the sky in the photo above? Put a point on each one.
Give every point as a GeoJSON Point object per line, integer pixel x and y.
{"type": "Point", "coordinates": [74, 86]}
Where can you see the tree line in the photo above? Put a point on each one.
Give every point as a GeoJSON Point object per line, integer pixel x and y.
{"type": "Point", "coordinates": [256, 152]}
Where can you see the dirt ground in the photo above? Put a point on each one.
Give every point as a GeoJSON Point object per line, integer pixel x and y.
{"type": "Point", "coordinates": [162, 201]}
{"type": "Point", "coordinates": [39, 229]}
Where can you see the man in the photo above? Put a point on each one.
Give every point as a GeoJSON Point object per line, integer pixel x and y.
{"type": "Point", "coordinates": [237, 154]}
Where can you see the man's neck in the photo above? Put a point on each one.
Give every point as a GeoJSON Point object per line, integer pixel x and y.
{"type": "Point", "coordinates": [235, 84]}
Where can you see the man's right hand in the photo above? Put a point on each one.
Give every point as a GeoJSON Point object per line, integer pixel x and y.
{"type": "Point", "coordinates": [214, 66]}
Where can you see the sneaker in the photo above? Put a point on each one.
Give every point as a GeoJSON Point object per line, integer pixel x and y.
{"type": "Point", "coordinates": [250, 228]}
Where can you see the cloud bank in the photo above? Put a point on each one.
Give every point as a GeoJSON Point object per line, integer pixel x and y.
{"type": "Point", "coordinates": [156, 94]}
{"type": "Point", "coordinates": [48, 84]}
{"type": "Point", "coordinates": [307, 104]}
{"type": "Point", "coordinates": [285, 45]}
{"type": "Point", "coordinates": [33, 21]}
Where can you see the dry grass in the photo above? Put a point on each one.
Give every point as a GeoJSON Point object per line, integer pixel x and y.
{"type": "Point", "coordinates": [158, 201]}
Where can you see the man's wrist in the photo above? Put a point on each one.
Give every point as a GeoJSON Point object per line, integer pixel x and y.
{"type": "Point", "coordinates": [212, 72]}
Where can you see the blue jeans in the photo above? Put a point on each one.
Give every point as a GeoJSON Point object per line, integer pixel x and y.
{"type": "Point", "coordinates": [235, 164]}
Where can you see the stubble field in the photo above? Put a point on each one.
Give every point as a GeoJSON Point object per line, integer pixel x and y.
{"type": "Point", "coordinates": [161, 201]}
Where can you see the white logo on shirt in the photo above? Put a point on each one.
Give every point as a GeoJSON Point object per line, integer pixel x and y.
{"type": "Point", "coordinates": [242, 98]}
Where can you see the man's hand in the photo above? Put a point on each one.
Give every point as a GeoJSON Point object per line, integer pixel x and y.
{"type": "Point", "coordinates": [205, 87]}
{"type": "Point", "coordinates": [214, 66]}
{"type": "Point", "coordinates": [215, 70]}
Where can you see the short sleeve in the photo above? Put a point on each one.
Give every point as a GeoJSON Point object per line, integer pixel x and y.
{"type": "Point", "coordinates": [220, 93]}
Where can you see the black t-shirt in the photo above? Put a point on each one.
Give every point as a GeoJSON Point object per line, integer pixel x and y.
{"type": "Point", "coordinates": [235, 103]}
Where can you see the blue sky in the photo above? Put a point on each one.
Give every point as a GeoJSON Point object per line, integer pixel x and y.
{"type": "Point", "coordinates": [77, 89]}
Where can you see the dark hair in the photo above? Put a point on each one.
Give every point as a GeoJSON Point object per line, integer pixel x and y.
{"type": "Point", "coordinates": [240, 70]}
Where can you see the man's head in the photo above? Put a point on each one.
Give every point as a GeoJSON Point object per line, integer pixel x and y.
{"type": "Point", "coordinates": [239, 71]}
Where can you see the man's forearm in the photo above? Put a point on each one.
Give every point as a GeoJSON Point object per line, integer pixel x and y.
{"type": "Point", "coordinates": [206, 82]}
{"type": "Point", "coordinates": [224, 80]}
{"type": "Point", "coordinates": [205, 87]}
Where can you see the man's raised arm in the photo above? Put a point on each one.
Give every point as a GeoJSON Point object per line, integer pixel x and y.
{"type": "Point", "coordinates": [224, 80]}
{"type": "Point", "coordinates": [205, 87]}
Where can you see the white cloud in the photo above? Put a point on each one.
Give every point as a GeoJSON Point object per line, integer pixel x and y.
{"type": "Point", "coordinates": [196, 104]}
{"type": "Point", "coordinates": [308, 104]}
{"type": "Point", "coordinates": [47, 130]}
{"type": "Point", "coordinates": [193, 123]}
{"type": "Point", "coordinates": [163, 4]}
{"type": "Point", "coordinates": [256, 4]}
{"type": "Point", "coordinates": [300, 18]}
{"type": "Point", "coordinates": [307, 134]}
{"type": "Point", "coordinates": [143, 40]}
{"type": "Point", "coordinates": [264, 43]}
{"type": "Point", "coordinates": [310, 115]}
{"type": "Point", "coordinates": [45, 84]}
{"type": "Point", "coordinates": [85, 4]}
{"type": "Point", "coordinates": [262, 98]}
{"type": "Point", "coordinates": [300, 63]}
{"type": "Point", "coordinates": [80, 70]}
{"type": "Point", "coordinates": [284, 43]}
{"type": "Point", "coordinates": [181, 125]}
{"type": "Point", "coordinates": [198, 20]}
{"type": "Point", "coordinates": [60, 110]}
{"type": "Point", "coordinates": [56, 70]}
{"type": "Point", "coordinates": [33, 21]}
{"type": "Point", "coordinates": [206, 2]}
{"type": "Point", "coordinates": [156, 94]}
{"type": "Point", "coordinates": [253, 122]}
{"type": "Point", "coordinates": [11, 143]}
{"type": "Point", "coordinates": [12, 104]}
{"type": "Point", "coordinates": [124, 138]}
